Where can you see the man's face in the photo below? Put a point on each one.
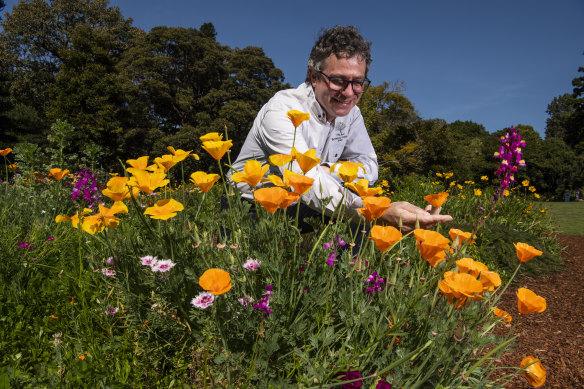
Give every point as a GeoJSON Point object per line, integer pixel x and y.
{"type": "Point", "coordinates": [338, 103]}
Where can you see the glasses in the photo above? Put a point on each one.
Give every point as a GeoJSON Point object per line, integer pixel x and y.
{"type": "Point", "coordinates": [339, 84]}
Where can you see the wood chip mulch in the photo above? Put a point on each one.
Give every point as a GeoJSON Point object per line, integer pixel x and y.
{"type": "Point", "coordinates": [556, 336]}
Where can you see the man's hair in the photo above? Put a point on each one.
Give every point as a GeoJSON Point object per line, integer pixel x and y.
{"type": "Point", "coordinates": [342, 41]}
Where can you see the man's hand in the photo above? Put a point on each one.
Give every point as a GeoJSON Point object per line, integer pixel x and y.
{"type": "Point", "coordinates": [410, 213]}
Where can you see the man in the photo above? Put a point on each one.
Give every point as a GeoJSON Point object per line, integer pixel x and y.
{"type": "Point", "coordinates": [335, 81]}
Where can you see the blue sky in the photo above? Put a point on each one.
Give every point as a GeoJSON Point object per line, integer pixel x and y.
{"type": "Point", "coordinates": [498, 62]}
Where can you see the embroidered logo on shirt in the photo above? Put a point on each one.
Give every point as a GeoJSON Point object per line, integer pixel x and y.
{"type": "Point", "coordinates": [340, 127]}
{"type": "Point", "coordinates": [339, 134]}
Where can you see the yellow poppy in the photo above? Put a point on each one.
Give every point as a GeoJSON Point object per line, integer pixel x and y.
{"type": "Point", "coordinates": [148, 182]}
{"type": "Point", "coordinates": [436, 199]}
{"type": "Point", "coordinates": [280, 159]}
{"type": "Point", "coordinates": [306, 160]}
{"type": "Point", "coordinates": [490, 280]}
{"type": "Point", "coordinates": [484, 178]}
{"type": "Point", "coordinates": [270, 198]}
{"type": "Point", "coordinates": [478, 192]}
{"type": "Point", "coordinates": [204, 181]}
{"type": "Point", "coordinates": [534, 371]}
{"type": "Point", "coordinates": [300, 183]}
{"type": "Point", "coordinates": [362, 188]}
{"type": "Point", "coordinates": [526, 252]}
{"type": "Point", "coordinates": [180, 155]}
{"type": "Point", "coordinates": [117, 189]}
{"type": "Point", "coordinates": [278, 181]}
{"type": "Point", "coordinates": [139, 163]}
{"type": "Point", "coordinates": [348, 171]}
{"type": "Point", "coordinates": [57, 173]}
{"type": "Point", "coordinates": [297, 117]}
{"type": "Point", "coordinates": [105, 218]}
{"type": "Point", "coordinates": [165, 162]}
{"type": "Point", "coordinates": [528, 302]}
{"type": "Point", "coordinates": [211, 136]}
{"type": "Point", "coordinates": [164, 209]}
{"type": "Point", "coordinates": [5, 152]}
{"type": "Point", "coordinates": [216, 281]}
{"type": "Point", "coordinates": [217, 148]}
{"type": "Point", "coordinates": [385, 237]}
{"type": "Point", "coordinates": [374, 207]}
{"type": "Point", "coordinates": [525, 182]}
{"type": "Point", "coordinates": [253, 172]}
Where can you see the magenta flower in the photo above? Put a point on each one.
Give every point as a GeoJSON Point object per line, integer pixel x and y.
{"type": "Point", "coordinates": [203, 300]}
{"type": "Point", "coordinates": [264, 304]}
{"type": "Point", "coordinates": [252, 264]}
{"type": "Point", "coordinates": [510, 155]}
{"type": "Point", "coordinates": [331, 259]}
{"type": "Point", "coordinates": [50, 238]}
{"type": "Point", "coordinates": [148, 260]}
{"type": "Point", "coordinates": [163, 266]}
{"type": "Point", "coordinates": [350, 375]}
{"type": "Point", "coordinates": [375, 283]}
{"type": "Point", "coordinates": [111, 261]}
{"type": "Point", "coordinates": [26, 245]}
{"type": "Point", "coordinates": [111, 311]}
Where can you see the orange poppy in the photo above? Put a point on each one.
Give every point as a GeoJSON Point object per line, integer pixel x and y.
{"type": "Point", "coordinates": [461, 287]}
{"type": "Point", "coordinates": [534, 373]}
{"type": "Point", "coordinates": [502, 314]}
{"type": "Point", "coordinates": [5, 152]}
{"type": "Point", "coordinates": [217, 149]}
{"type": "Point", "coordinates": [362, 188]}
{"type": "Point", "coordinates": [431, 244]}
{"type": "Point", "coordinates": [436, 199]}
{"type": "Point", "coordinates": [204, 181]}
{"type": "Point", "coordinates": [278, 181]}
{"type": "Point", "coordinates": [180, 155]}
{"type": "Point", "coordinates": [270, 198]}
{"type": "Point", "coordinates": [374, 207]}
{"type": "Point", "coordinates": [490, 280]}
{"type": "Point", "coordinates": [348, 171]}
{"type": "Point", "coordinates": [462, 236]}
{"type": "Point", "coordinates": [290, 198]}
{"type": "Point", "coordinates": [528, 302]}
{"type": "Point", "coordinates": [385, 237]}
{"type": "Point", "coordinates": [164, 209]}
{"type": "Point", "coordinates": [216, 281]}
{"type": "Point", "coordinates": [300, 183]}
{"type": "Point", "coordinates": [297, 117]}
{"type": "Point", "coordinates": [139, 163]}
{"type": "Point", "coordinates": [148, 182]}
{"type": "Point", "coordinates": [436, 258]}
{"type": "Point", "coordinates": [469, 265]}
{"type": "Point", "coordinates": [253, 171]}
{"type": "Point", "coordinates": [58, 174]}
{"type": "Point", "coordinates": [525, 252]}
{"type": "Point", "coordinates": [117, 189]}
{"type": "Point", "coordinates": [306, 160]}
{"type": "Point", "coordinates": [165, 162]}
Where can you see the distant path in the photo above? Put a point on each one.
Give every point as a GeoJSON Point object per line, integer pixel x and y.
{"type": "Point", "coordinates": [556, 336]}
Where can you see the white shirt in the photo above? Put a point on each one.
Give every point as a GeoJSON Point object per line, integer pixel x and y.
{"type": "Point", "coordinates": [343, 139]}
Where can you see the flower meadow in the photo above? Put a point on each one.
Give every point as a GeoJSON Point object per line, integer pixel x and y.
{"type": "Point", "coordinates": [132, 280]}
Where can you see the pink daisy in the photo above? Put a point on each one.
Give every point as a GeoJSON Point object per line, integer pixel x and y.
{"type": "Point", "coordinates": [252, 264]}
{"type": "Point", "coordinates": [163, 266]}
{"type": "Point", "coordinates": [203, 300]}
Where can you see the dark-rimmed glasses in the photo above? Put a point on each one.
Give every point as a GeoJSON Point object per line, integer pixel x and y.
{"type": "Point", "coordinates": [339, 84]}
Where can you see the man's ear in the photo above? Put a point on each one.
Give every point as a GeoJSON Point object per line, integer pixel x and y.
{"type": "Point", "coordinates": [313, 76]}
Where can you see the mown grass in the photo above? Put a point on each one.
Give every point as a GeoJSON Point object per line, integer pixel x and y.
{"type": "Point", "coordinates": [568, 218]}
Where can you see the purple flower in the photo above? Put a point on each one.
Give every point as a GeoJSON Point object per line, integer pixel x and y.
{"type": "Point", "coordinates": [26, 245]}
{"type": "Point", "coordinates": [148, 260]}
{"type": "Point", "coordinates": [331, 259]}
{"type": "Point", "coordinates": [375, 283]}
{"type": "Point", "coordinates": [86, 186]}
{"type": "Point", "coordinates": [163, 266]}
{"type": "Point", "coordinates": [264, 303]}
{"type": "Point", "coordinates": [252, 264]}
{"type": "Point", "coordinates": [383, 385]}
{"type": "Point", "coordinates": [203, 300]}
{"type": "Point", "coordinates": [510, 154]}
{"type": "Point", "coordinates": [350, 375]}
{"type": "Point", "coordinates": [108, 272]}
{"type": "Point", "coordinates": [50, 238]}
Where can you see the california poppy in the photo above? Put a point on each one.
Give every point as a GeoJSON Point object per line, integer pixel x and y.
{"type": "Point", "coordinates": [179, 155]}
{"type": "Point", "coordinates": [164, 209]}
{"type": "Point", "coordinates": [216, 281]}
{"type": "Point", "coordinates": [528, 302]}
{"type": "Point", "coordinates": [57, 173]}
{"type": "Point", "coordinates": [5, 152]}
{"type": "Point", "coordinates": [430, 244]}
{"type": "Point", "coordinates": [469, 265]}
{"type": "Point", "coordinates": [297, 117]}
{"type": "Point", "coordinates": [362, 188]}
{"type": "Point", "coordinates": [105, 218]}
{"type": "Point", "coordinates": [348, 171]}
{"type": "Point", "coordinates": [460, 286]}
{"type": "Point", "coordinates": [290, 198]}
{"type": "Point", "coordinates": [461, 235]}
{"type": "Point", "coordinates": [148, 182]}
{"type": "Point", "coordinates": [217, 148]}
{"type": "Point", "coordinates": [436, 199]}
{"type": "Point", "coordinates": [139, 163]}
{"type": "Point", "coordinates": [534, 371]}
{"type": "Point", "coordinates": [117, 189]}
{"type": "Point", "coordinates": [525, 252]}
{"type": "Point", "coordinates": [502, 314]}
{"type": "Point", "coordinates": [306, 160]}
{"type": "Point", "coordinates": [165, 162]}
{"type": "Point", "coordinates": [385, 236]}
{"type": "Point", "coordinates": [211, 136]}
{"type": "Point", "coordinates": [204, 181]}
{"type": "Point", "coordinates": [300, 183]}
{"type": "Point", "coordinates": [280, 159]}
{"type": "Point", "coordinates": [253, 171]}
{"type": "Point", "coordinates": [270, 198]}
{"type": "Point", "coordinates": [490, 280]}
{"type": "Point", "coordinates": [374, 207]}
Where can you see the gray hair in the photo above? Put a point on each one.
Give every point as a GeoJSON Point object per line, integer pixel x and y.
{"type": "Point", "coordinates": [342, 41]}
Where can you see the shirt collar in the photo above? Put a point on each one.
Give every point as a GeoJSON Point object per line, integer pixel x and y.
{"type": "Point", "coordinates": [313, 105]}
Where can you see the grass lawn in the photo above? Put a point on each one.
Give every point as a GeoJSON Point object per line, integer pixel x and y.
{"type": "Point", "coordinates": [568, 217]}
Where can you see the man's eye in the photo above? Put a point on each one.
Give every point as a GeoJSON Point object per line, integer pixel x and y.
{"type": "Point", "coordinates": [339, 81]}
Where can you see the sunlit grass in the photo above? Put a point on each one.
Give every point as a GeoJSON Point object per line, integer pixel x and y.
{"type": "Point", "coordinates": [568, 217]}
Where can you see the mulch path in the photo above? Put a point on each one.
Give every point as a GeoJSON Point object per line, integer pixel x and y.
{"type": "Point", "coordinates": [556, 336]}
